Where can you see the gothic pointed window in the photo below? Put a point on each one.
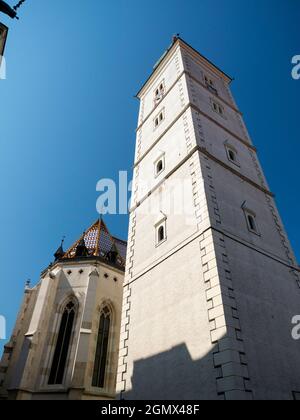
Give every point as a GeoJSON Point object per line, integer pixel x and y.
{"type": "Point", "coordinates": [101, 356]}
{"type": "Point", "coordinates": [62, 348]}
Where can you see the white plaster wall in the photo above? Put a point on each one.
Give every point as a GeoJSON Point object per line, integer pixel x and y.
{"type": "Point", "coordinates": [268, 297]}
{"type": "Point", "coordinates": [170, 352]}
{"type": "Point", "coordinates": [215, 140]}
{"type": "Point", "coordinates": [167, 74]}
{"type": "Point", "coordinates": [172, 107]}
{"type": "Point", "coordinates": [198, 70]}
{"type": "Point", "coordinates": [179, 226]}
{"type": "Point", "coordinates": [174, 149]}
{"type": "Point", "coordinates": [232, 193]}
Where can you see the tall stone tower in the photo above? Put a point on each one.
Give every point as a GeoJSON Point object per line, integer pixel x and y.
{"type": "Point", "coordinates": [209, 294]}
{"type": "Point", "coordinates": [65, 341]}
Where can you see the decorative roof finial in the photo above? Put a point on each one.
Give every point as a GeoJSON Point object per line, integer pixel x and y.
{"type": "Point", "coordinates": [60, 252]}
{"type": "Point", "coordinates": [175, 38]}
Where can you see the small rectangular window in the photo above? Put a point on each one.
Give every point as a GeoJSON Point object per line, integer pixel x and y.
{"type": "Point", "coordinates": [159, 165]}
{"type": "Point", "coordinates": [251, 221]}
{"type": "Point", "coordinates": [161, 232]}
{"type": "Point", "coordinates": [159, 93]}
{"type": "Point", "coordinates": [232, 154]}
{"type": "Point", "coordinates": [159, 118]}
{"type": "Point", "coordinates": [219, 109]}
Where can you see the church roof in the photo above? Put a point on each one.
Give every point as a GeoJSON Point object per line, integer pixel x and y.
{"type": "Point", "coordinates": [99, 242]}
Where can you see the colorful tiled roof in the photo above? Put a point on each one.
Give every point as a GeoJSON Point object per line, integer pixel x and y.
{"type": "Point", "coordinates": [98, 242]}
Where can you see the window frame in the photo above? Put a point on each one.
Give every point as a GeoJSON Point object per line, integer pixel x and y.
{"type": "Point", "coordinates": [159, 118]}
{"type": "Point", "coordinates": [161, 224]}
{"type": "Point", "coordinates": [104, 380]}
{"type": "Point", "coordinates": [218, 108]}
{"type": "Point", "coordinates": [74, 309]}
{"type": "Point", "coordinates": [162, 159]}
{"type": "Point", "coordinates": [161, 88]}
{"type": "Point", "coordinates": [249, 213]}
{"type": "Point", "coordinates": [229, 148]}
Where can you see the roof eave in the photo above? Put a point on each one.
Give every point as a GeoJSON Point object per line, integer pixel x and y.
{"type": "Point", "coordinates": [180, 41]}
{"type": "Point", "coordinates": [71, 261]}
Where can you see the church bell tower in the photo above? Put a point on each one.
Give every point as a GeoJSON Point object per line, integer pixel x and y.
{"type": "Point", "coordinates": [211, 287]}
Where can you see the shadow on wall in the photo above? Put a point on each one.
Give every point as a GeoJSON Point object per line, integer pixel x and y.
{"type": "Point", "coordinates": [174, 375]}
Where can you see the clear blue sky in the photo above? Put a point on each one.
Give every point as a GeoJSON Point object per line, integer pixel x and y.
{"type": "Point", "coordinates": [68, 113]}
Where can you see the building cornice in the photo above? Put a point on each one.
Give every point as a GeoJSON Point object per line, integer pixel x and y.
{"type": "Point", "coordinates": [83, 261]}
{"type": "Point", "coordinates": [187, 73]}
{"type": "Point", "coordinates": [210, 156]}
{"type": "Point", "coordinates": [190, 105]}
{"type": "Point", "coordinates": [196, 236]}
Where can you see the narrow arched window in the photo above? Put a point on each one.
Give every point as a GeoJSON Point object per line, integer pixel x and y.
{"type": "Point", "coordinates": [62, 348]}
{"type": "Point", "coordinates": [159, 167]}
{"type": "Point", "coordinates": [161, 234]}
{"type": "Point", "coordinates": [102, 349]}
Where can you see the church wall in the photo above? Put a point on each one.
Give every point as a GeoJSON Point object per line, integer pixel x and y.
{"type": "Point", "coordinates": [268, 298]}
{"type": "Point", "coordinates": [198, 69]}
{"type": "Point", "coordinates": [171, 107]}
{"type": "Point", "coordinates": [167, 74]}
{"type": "Point", "coordinates": [215, 139]}
{"type": "Point", "coordinates": [109, 291]}
{"type": "Point", "coordinates": [232, 193]}
{"type": "Point", "coordinates": [179, 227]}
{"type": "Point", "coordinates": [10, 359]}
{"type": "Point", "coordinates": [203, 100]}
{"type": "Point", "coordinates": [69, 283]}
{"type": "Point", "coordinates": [91, 289]}
{"type": "Point", "coordinates": [172, 148]}
{"type": "Point", "coordinates": [91, 284]}
{"type": "Point", "coordinates": [170, 350]}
